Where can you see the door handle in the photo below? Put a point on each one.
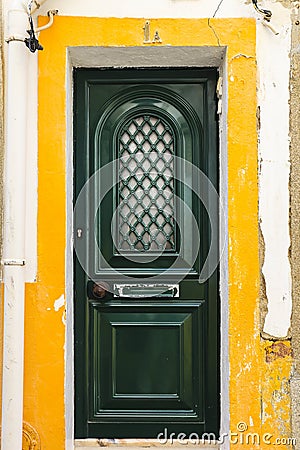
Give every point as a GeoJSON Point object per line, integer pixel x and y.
{"type": "Point", "coordinates": [99, 289]}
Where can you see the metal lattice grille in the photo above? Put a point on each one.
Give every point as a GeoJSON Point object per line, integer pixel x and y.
{"type": "Point", "coordinates": [146, 185]}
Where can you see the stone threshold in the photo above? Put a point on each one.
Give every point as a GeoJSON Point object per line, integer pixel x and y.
{"type": "Point", "coordinates": [138, 444]}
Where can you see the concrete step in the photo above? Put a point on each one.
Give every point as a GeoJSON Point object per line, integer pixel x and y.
{"type": "Point", "coordinates": [139, 444]}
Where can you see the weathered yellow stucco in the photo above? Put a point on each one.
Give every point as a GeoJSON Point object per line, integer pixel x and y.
{"type": "Point", "coordinates": [250, 374]}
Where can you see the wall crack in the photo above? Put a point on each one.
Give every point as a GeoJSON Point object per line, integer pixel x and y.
{"type": "Point", "coordinates": [218, 7]}
{"type": "Point", "coordinates": [213, 30]}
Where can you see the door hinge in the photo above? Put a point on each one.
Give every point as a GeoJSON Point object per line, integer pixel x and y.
{"type": "Point", "coordinates": [219, 91]}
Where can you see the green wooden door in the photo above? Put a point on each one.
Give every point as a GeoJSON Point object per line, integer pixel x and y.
{"type": "Point", "coordinates": [146, 353]}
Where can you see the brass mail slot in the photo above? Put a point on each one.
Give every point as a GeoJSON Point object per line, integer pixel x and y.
{"type": "Point", "coordinates": [146, 290]}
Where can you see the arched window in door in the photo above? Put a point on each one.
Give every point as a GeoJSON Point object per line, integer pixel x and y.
{"type": "Point", "coordinates": [146, 185]}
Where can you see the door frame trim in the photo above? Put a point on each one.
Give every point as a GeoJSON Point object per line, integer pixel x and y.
{"type": "Point", "coordinates": [185, 56]}
{"type": "Point", "coordinates": [46, 298]}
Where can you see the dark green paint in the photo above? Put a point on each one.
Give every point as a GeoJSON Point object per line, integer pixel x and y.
{"type": "Point", "coordinates": [145, 364]}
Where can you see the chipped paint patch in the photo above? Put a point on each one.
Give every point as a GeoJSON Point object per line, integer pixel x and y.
{"type": "Point", "coordinates": [242, 55]}
{"type": "Point", "coordinates": [273, 100]}
{"type": "Point", "coordinates": [276, 401]}
{"type": "Point", "coordinates": [59, 303]}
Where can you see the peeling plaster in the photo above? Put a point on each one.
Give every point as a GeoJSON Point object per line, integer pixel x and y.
{"type": "Point", "coordinates": [273, 100]}
{"type": "Point", "coordinates": [241, 55]}
{"type": "Point", "coordinates": [59, 303]}
{"type": "Point", "coordinates": [64, 317]}
{"type": "Point", "coordinates": [276, 350]}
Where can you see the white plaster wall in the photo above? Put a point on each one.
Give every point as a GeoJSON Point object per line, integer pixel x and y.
{"type": "Point", "coordinates": [273, 96]}
{"type": "Point", "coordinates": [148, 9]}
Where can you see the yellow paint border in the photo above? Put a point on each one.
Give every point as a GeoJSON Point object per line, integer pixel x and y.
{"type": "Point", "coordinates": [45, 331]}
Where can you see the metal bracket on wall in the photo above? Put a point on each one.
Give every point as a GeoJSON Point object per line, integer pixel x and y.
{"type": "Point", "coordinates": [50, 14]}
{"type": "Point", "coordinates": [32, 42]}
{"type": "Point", "coordinates": [267, 14]}
{"type": "Point", "coordinates": [10, 262]}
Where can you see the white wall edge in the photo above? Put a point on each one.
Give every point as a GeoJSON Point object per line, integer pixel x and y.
{"type": "Point", "coordinates": [274, 167]}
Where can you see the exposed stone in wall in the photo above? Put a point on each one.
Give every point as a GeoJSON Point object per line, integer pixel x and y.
{"type": "Point", "coordinates": [275, 400]}
{"type": "Point", "coordinates": [286, 3]}
{"type": "Point", "coordinates": [276, 350]}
